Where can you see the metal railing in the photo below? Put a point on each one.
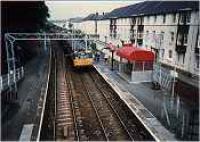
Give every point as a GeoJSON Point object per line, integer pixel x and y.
{"type": "Point", "coordinates": [163, 76]}
{"type": "Point", "coordinates": [9, 79]}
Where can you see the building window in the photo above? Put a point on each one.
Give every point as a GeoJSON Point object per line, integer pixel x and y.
{"type": "Point", "coordinates": [185, 39]}
{"type": "Point", "coordinates": [162, 35]}
{"type": "Point", "coordinates": [174, 18]}
{"type": "Point", "coordinates": [178, 57]}
{"type": "Point", "coordinates": [180, 39]}
{"type": "Point", "coordinates": [148, 19]}
{"type": "Point", "coordinates": [170, 53]}
{"type": "Point", "coordinates": [183, 59]}
{"type": "Point", "coordinates": [147, 33]}
{"type": "Point", "coordinates": [181, 18]}
{"type": "Point", "coordinates": [154, 34]}
{"type": "Point", "coordinates": [197, 61]}
{"type": "Point", "coordinates": [125, 20]}
{"type": "Point", "coordinates": [164, 18]}
{"type": "Point", "coordinates": [140, 20]}
{"type": "Point", "coordinates": [163, 53]}
{"type": "Point", "coordinates": [185, 17]}
{"type": "Point", "coordinates": [155, 18]}
{"type": "Point", "coordinates": [172, 36]}
{"type": "Point", "coordinates": [188, 17]}
{"type": "Point", "coordinates": [133, 21]}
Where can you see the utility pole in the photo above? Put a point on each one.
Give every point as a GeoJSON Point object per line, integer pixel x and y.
{"type": "Point", "coordinates": [96, 22]}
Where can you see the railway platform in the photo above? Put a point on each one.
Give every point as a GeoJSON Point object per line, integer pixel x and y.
{"type": "Point", "coordinates": [140, 98]}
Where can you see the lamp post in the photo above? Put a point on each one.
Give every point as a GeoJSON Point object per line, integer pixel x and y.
{"type": "Point", "coordinates": [112, 59]}
{"type": "Point", "coordinates": [111, 48]}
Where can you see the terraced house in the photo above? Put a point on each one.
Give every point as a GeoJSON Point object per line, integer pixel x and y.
{"type": "Point", "coordinates": [169, 28]}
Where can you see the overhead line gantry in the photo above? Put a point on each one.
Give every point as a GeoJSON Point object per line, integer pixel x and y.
{"type": "Point", "coordinates": [11, 38]}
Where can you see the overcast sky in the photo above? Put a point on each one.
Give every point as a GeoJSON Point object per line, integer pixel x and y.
{"type": "Point", "coordinates": [69, 9]}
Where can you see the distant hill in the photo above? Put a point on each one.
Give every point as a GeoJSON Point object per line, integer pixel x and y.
{"type": "Point", "coordinates": [75, 19]}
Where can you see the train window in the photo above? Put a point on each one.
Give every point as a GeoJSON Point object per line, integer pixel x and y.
{"type": "Point", "coordinates": [90, 55]}
{"type": "Point", "coordinates": [82, 55]}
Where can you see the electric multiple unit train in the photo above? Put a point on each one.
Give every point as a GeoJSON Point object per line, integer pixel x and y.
{"type": "Point", "coordinates": [82, 58]}
{"type": "Point", "coordinates": [82, 54]}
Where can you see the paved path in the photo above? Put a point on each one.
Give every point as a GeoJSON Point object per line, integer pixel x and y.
{"type": "Point", "coordinates": [24, 111]}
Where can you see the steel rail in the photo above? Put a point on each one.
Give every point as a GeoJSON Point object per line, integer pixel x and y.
{"type": "Point", "coordinates": [72, 105]}
{"type": "Point", "coordinates": [63, 98]}
{"type": "Point", "coordinates": [101, 126]}
{"type": "Point", "coordinates": [139, 128]}
{"type": "Point", "coordinates": [104, 95]}
{"type": "Point", "coordinates": [94, 106]}
{"type": "Point", "coordinates": [55, 91]}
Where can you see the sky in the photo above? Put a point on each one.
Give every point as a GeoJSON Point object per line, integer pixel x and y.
{"type": "Point", "coordinates": [69, 9]}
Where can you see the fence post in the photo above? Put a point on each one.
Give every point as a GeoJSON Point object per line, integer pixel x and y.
{"type": "Point", "coordinates": [8, 76]}
{"type": "Point", "coordinates": [22, 70]}
{"type": "Point", "coordinates": [143, 63]}
{"type": "Point", "coordinates": [1, 83]}
{"type": "Point", "coordinates": [17, 74]}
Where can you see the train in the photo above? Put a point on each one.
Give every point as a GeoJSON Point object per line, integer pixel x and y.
{"type": "Point", "coordinates": [81, 53]}
{"type": "Point", "coordinates": [82, 58]}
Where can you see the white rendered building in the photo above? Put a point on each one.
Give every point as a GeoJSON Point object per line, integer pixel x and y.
{"type": "Point", "coordinates": [170, 29]}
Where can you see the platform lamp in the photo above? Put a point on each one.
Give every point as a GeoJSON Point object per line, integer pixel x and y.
{"type": "Point", "coordinates": [112, 58]}
{"type": "Point", "coordinates": [112, 49]}
{"type": "Point", "coordinates": [105, 39]}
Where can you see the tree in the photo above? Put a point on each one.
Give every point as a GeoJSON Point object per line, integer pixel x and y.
{"type": "Point", "coordinates": [21, 16]}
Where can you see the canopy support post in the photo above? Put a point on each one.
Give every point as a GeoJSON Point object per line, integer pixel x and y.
{"type": "Point", "coordinates": [143, 65]}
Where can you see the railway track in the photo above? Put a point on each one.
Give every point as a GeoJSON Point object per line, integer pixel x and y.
{"type": "Point", "coordinates": [114, 126]}
{"type": "Point", "coordinates": [87, 109]}
{"type": "Point", "coordinates": [99, 113]}
{"type": "Point", "coordinates": [88, 125]}
{"type": "Point", "coordinates": [137, 131]}
{"type": "Point", "coordinates": [95, 118]}
{"type": "Point", "coordinates": [64, 115]}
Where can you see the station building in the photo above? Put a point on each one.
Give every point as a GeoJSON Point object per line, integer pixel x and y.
{"type": "Point", "coordinates": [169, 28]}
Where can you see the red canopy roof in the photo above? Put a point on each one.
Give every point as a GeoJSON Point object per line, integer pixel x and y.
{"type": "Point", "coordinates": [131, 53]}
